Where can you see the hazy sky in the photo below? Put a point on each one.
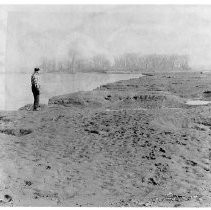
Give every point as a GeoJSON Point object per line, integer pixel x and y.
{"type": "Point", "coordinates": [52, 31]}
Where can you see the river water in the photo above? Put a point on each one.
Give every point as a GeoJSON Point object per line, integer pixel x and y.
{"type": "Point", "coordinates": [15, 88]}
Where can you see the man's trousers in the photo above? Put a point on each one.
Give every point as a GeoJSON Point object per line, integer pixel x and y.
{"type": "Point", "coordinates": [36, 94]}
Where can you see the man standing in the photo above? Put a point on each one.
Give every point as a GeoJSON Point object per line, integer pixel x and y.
{"type": "Point", "coordinates": [35, 88]}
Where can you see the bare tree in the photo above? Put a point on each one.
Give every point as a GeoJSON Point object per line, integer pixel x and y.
{"type": "Point", "coordinates": [100, 62]}
{"type": "Point", "coordinates": [44, 64]}
{"type": "Point", "coordinates": [72, 56]}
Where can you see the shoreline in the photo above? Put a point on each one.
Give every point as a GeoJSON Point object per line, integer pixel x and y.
{"type": "Point", "coordinates": [129, 143]}
{"type": "Point", "coordinates": [116, 72]}
{"type": "Point", "coordinates": [44, 77]}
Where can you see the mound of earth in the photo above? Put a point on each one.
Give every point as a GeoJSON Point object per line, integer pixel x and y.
{"type": "Point", "coordinates": [79, 99]}
{"type": "Point", "coordinates": [115, 99]}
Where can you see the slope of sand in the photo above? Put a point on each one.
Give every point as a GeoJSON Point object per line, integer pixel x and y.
{"type": "Point", "coordinates": [129, 143]}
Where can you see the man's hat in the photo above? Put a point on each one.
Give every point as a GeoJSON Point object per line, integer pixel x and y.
{"type": "Point", "coordinates": [36, 69]}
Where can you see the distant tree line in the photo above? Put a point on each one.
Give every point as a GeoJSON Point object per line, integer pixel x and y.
{"type": "Point", "coordinates": [128, 62]}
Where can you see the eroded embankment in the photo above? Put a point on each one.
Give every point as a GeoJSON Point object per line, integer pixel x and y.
{"type": "Point", "coordinates": [130, 143]}
{"type": "Point", "coordinates": [161, 90]}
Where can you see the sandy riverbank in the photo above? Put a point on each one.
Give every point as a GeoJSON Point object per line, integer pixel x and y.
{"type": "Point", "coordinates": [129, 143]}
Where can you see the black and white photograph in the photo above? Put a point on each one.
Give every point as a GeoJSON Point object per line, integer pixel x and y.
{"type": "Point", "coordinates": [105, 105]}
